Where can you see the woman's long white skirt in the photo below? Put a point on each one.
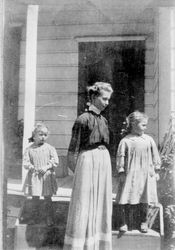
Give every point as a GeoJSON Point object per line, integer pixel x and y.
{"type": "Point", "coordinates": [90, 210]}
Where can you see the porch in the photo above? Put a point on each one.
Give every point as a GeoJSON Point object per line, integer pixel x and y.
{"type": "Point", "coordinates": [23, 236]}
{"type": "Point", "coordinates": [42, 80]}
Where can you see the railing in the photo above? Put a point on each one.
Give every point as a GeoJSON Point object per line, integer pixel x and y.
{"type": "Point", "coordinates": [153, 212]}
{"type": "Point", "coordinates": [167, 176]}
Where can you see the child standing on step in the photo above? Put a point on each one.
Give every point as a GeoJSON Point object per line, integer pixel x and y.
{"type": "Point", "coordinates": [137, 163]}
{"type": "Point", "coordinates": [40, 159]}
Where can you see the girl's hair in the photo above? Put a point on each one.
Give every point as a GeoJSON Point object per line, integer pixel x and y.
{"type": "Point", "coordinates": [95, 89]}
{"type": "Point", "coordinates": [37, 128]}
{"type": "Point", "coordinates": [133, 118]}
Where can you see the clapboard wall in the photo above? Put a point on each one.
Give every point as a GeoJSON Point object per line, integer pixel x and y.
{"type": "Point", "coordinates": [152, 83]}
{"type": "Point", "coordinates": [57, 61]}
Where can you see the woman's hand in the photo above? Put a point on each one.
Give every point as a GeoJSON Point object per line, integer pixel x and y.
{"type": "Point", "coordinates": [157, 176]}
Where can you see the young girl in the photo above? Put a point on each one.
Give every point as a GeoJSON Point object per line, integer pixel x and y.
{"type": "Point", "coordinates": [40, 159]}
{"type": "Point", "coordinates": [90, 210]}
{"type": "Point", "coordinates": [137, 163]}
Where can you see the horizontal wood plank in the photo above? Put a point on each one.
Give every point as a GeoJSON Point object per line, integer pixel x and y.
{"type": "Point", "coordinates": [53, 45]}
{"type": "Point", "coordinates": [52, 100]}
{"type": "Point", "coordinates": [149, 110]}
{"type": "Point", "coordinates": [89, 30]}
{"type": "Point", "coordinates": [54, 72]}
{"type": "Point", "coordinates": [148, 98]}
{"type": "Point", "coordinates": [45, 86]}
{"type": "Point", "coordinates": [149, 70]}
{"type": "Point", "coordinates": [149, 56]}
{"type": "Point", "coordinates": [52, 113]}
{"type": "Point", "coordinates": [92, 16]}
{"type": "Point", "coordinates": [59, 141]}
{"type": "Point", "coordinates": [149, 84]}
{"type": "Point", "coordinates": [60, 127]}
{"type": "Point", "coordinates": [61, 152]}
{"type": "Point", "coordinates": [55, 58]}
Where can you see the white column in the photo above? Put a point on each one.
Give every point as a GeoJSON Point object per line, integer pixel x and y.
{"type": "Point", "coordinates": [172, 46]}
{"type": "Point", "coordinates": [164, 70]}
{"type": "Point", "coordinates": [167, 72]}
{"type": "Point", "coordinates": [30, 76]}
{"type": "Point", "coordinates": [2, 175]}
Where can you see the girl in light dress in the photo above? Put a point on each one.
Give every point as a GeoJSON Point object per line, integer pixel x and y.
{"type": "Point", "coordinates": [40, 159]}
{"type": "Point", "coordinates": [90, 210]}
{"type": "Point", "coordinates": [137, 165]}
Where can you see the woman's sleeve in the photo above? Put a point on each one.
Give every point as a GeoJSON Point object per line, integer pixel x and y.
{"type": "Point", "coordinates": [74, 145]}
{"type": "Point", "coordinates": [26, 160]}
{"type": "Point", "coordinates": [54, 160]}
{"type": "Point", "coordinates": [155, 155]}
{"type": "Point", "coordinates": [120, 159]}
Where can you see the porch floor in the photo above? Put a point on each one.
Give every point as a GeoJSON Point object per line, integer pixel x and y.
{"type": "Point", "coordinates": [14, 187]}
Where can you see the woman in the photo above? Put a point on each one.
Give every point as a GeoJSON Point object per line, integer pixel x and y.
{"type": "Point", "coordinates": [90, 210]}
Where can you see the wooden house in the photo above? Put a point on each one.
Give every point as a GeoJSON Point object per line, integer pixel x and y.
{"type": "Point", "coordinates": [54, 49]}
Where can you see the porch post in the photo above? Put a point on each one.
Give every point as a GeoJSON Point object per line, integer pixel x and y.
{"type": "Point", "coordinates": [167, 74]}
{"type": "Point", "coordinates": [172, 46]}
{"type": "Point", "coordinates": [3, 186]}
{"type": "Point", "coordinates": [30, 76]}
{"type": "Point", "coordinates": [166, 67]}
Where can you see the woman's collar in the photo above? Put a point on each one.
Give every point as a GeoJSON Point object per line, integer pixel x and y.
{"type": "Point", "coordinates": [94, 109]}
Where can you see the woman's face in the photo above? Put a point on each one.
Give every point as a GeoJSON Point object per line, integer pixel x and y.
{"type": "Point", "coordinates": [102, 101]}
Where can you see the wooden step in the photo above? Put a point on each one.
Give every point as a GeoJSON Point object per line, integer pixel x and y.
{"type": "Point", "coordinates": [47, 238]}
{"type": "Point", "coordinates": [135, 240]}
{"type": "Point", "coordinates": [40, 236]}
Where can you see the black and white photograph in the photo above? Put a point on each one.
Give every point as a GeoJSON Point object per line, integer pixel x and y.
{"type": "Point", "coordinates": [87, 124]}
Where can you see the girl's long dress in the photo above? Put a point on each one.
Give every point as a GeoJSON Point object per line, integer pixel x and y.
{"type": "Point", "coordinates": [40, 156]}
{"type": "Point", "coordinates": [90, 210]}
{"type": "Point", "coordinates": [138, 158]}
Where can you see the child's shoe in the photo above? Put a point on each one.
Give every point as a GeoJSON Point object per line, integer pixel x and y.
{"type": "Point", "coordinates": [144, 227]}
{"type": "Point", "coordinates": [123, 228]}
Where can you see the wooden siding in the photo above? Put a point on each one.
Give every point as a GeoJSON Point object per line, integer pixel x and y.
{"type": "Point", "coordinates": [56, 86]}
{"type": "Point", "coordinates": [57, 60]}
{"type": "Point", "coordinates": [72, 31]}
{"type": "Point", "coordinates": [151, 84]}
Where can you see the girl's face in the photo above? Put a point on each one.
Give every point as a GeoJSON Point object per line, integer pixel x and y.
{"type": "Point", "coordinates": [41, 136]}
{"type": "Point", "coordinates": [139, 127]}
{"type": "Point", "coordinates": [102, 101]}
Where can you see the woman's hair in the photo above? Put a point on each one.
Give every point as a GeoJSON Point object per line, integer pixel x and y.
{"type": "Point", "coordinates": [133, 118]}
{"type": "Point", "coordinates": [38, 127]}
{"type": "Point", "coordinates": [95, 89]}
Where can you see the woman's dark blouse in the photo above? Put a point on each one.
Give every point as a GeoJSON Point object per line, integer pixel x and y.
{"type": "Point", "coordinates": [89, 131]}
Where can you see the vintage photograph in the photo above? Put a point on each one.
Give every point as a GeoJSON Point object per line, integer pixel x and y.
{"type": "Point", "coordinates": [88, 125]}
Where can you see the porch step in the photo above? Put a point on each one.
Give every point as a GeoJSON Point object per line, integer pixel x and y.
{"type": "Point", "coordinates": [135, 240]}
{"type": "Point", "coordinates": [38, 237]}
{"type": "Point", "coordinates": [42, 237]}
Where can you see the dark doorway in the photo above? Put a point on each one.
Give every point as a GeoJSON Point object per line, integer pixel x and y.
{"type": "Point", "coordinates": [120, 63]}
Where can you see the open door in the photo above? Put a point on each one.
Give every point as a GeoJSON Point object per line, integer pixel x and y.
{"type": "Point", "coordinates": [120, 63]}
